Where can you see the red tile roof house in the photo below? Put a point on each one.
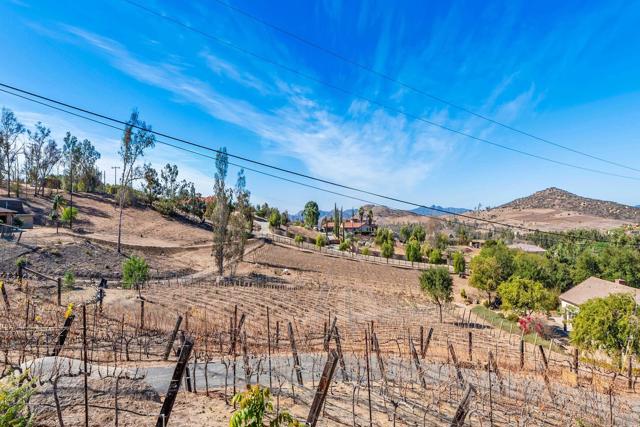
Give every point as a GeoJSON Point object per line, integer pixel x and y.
{"type": "Point", "coordinates": [571, 300]}
{"type": "Point", "coordinates": [350, 226]}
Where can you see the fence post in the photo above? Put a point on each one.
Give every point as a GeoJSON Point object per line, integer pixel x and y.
{"type": "Point", "coordinates": [470, 346]}
{"type": "Point", "coordinates": [59, 283]}
{"type": "Point", "coordinates": [521, 353]}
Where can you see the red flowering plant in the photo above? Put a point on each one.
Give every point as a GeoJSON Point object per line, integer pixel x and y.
{"type": "Point", "coordinates": [530, 324]}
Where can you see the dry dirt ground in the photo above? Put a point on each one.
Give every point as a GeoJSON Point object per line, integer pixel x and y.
{"type": "Point", "coordinates": [98, 218]}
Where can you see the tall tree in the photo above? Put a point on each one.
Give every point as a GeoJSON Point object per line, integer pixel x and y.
{"type": "Point", "coordinates": [311, 214]}
{"type": "Point", "coordinates": [231, 221]}
{"type": "Point", "coordinates": [169, 177]}
{"type": "Point", "coordinates": [41, 155]}
{"type": "Point", "coordinates": [337, 221]}
{"type": "Point", "coordinates": [10, 130]}
{"type": "Point", "coordinates": [361, 214]}
{"type": "Point", "coordinates": [151, 184]}
{"type": "Point", "coordinates": [136, 139]}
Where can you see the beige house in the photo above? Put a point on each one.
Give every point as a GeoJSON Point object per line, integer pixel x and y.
{"type": "Point", "coordinates": [593, 287]}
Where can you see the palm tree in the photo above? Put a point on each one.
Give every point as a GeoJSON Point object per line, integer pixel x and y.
{"type": "Point", "coordinates": [58, 203]}
{"type": "Point", "coordinates": [361, 213]}
{"type": "Point", "coordinates": [370, 217]}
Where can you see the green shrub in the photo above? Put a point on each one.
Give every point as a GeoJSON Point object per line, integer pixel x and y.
{"type": "Point", "coordinates": [15, 392]}
{"type": "Point", "coordinates": [135, 271]}
{"type": "Point", "coordinates": [321, 241]}
{"type": "Point", "coordinates": [69, 280]}
{"type": "Point", "coordinates": [298, 239]}
{"type": "Point", "coordinates": [435, 257]}
{"type": "Point", "coordinates": [463, 293]}
{"type": "Point", "coordinates": [365, 251]}
{"type": "Point", "coordinates": [459, 263]}
{"type": "Point", "coordinates": [17, 222]}
{"type": "Point", "coordinates": [275, 219]}
{"type": "Point", "coordinates": [344, 245]}
{"type": "Point", "coordinates": [511, 316]}
{"type": "Point", "coordinates": [165, 207]}
{"type": "Point", "coordinates": [21, 262]}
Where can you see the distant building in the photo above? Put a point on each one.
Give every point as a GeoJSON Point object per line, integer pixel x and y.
{"type": "Point", "coordinates": [592, 288]}
{"type": "Point", "coordinates": [15, 206]}
{"type": "Point", "coordinates": [477, 243]}
{"type": "Point", "coordinates": [526, 247]}
{"type": "Point", "coordinates": [352, 225]}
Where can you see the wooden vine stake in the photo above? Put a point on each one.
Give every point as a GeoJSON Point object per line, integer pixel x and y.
{"type": "Point", "coordinates": [294, 352]}
{"type": "Point", "coordinates": [63, 334]}
{"type": "Point", "coordinates": [463, 407]}
{"type": "Point", "coordinates": [174, 334]}
{"type": "Point", "coordinates": [174, 385]}
{"type": "Point", "coordinates": [323, 388]}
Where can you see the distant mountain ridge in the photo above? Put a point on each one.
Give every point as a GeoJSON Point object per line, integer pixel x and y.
{"type": "Point", "coordinates": [556, 198]}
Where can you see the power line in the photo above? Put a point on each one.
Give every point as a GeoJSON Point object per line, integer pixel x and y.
{"type": "Point", "coordinates": [368, 99]}
{"type": "Point", "coordinates": [404, 84]}
{"type": "Point", "coordinates": [292, 172]}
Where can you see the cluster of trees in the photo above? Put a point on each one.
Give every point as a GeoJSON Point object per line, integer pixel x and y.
{"type": "Point", "coordinates": [385, 240]}
{"type": "Point", "coordinates": [273, 215]}
{"type": "Point", "coordinates": [311, 214]}
{"type": "Point", "coordinates": [524, 282]}
{"type": "Point", "coordinates": [40, 154]}
{"type": "Point", "coordinates": [168, 195]}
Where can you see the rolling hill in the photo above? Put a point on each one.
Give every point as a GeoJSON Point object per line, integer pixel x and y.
{"type": "Point", "coordinates": [554, 209]}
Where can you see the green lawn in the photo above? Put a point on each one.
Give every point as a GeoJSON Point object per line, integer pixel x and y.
{"type": "Point", "coordinates": [506, 325]}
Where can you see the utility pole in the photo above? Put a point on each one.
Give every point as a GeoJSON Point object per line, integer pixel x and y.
{"type": "Point", "coordinates": [115, 174]}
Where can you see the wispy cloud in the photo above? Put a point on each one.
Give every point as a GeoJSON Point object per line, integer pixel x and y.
{"type": "Point", "coordinates": [364, 146]}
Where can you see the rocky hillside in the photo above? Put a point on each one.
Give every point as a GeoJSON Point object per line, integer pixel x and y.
{"type": "Point", "coordinates": [555, 198]}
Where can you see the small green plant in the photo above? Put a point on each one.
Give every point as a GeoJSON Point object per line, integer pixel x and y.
{"type": "Point", "coordinates": [298, 239]}
{"type": "Point", "coordinates": [15, 392]}
{"type": "Point", "coordinates": [135, 271]}
{"type": "Point", "coordinates": [17, 222]}
{"type": "Point", "coordinates": [21, 262]}
{"type": "Point", "coordinates": [68, 280]}
{"type": "Point", "coordinates": [365, 251]}
{"type": "Point", "coordinates": [68, 214]}
{"type": "Point", "coordinates": [344, 245]}
{"type": "Point", "coordinates": [321, 241]}
{"type": "Point", "coordinates": [254, 404]}
{"type": "Point", "coordinates": [463, 293]}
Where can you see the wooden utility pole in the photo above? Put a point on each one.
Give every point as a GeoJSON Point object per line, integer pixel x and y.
{"type": "Point", "coordinates": [115, 174]}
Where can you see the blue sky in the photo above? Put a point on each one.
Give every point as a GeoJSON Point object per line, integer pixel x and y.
{"type": "Point", "coordinates": [564, 71]}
